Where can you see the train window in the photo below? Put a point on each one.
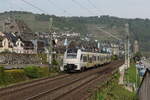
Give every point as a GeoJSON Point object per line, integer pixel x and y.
{"type": "Point", "coordinates": [94, 58]}
{"type": "Point", "coordinates": [102, 58]}
{"type": "Point", "coordinates": [107, 57]}
{"type": "Point", "coordinates": [81, 57]}
{"type": "Point", "coordinates": [85, 59]}
{"type": "Point", "coordinates": [71, 55]}
{"type": "Point", "coordinates": [90, 59]}
{"type": "Point", "coordinates": [97, 58]}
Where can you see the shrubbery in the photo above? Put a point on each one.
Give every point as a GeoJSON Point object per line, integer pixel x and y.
{"type": "Point", "coordinates": [54, 62]}
{"type": "Point", "coordinates": [36, 72]}
{"type": "Point", "coordinates": [54, 69]}
{"type": "Point", "coordinates": [44, 71]}
{"type": "Point", "coordinates": [11, 76]}
{"type": "Point", "coordinates": [2, 75]}
{"type": "Point", "coordinates": [15, 75]}
{"type": "Point", "coordinates": [18, 75]}
{"type": "Point", "coordinates": [32, 72]}
{"type": "Point", "coordinates": [114, 57]}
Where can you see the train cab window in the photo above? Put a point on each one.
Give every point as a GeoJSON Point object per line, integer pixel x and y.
{"type": "Point", "coordinates": [71, 55]}
{"type": "Point", "coordinates": [72, 50]}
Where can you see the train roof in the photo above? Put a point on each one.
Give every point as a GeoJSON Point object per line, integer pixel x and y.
{"type": "Point", "coordinates": [83, 52]}
{"type": "Point", "coordinates": [74, 50]}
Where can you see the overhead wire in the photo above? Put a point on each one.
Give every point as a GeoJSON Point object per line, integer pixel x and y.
{"type": "Point", "coordinates": [57, 7]}
{"type": "Point", "coordinates": [110, 34]}
{"type": "Point", "coordinates": [34, 6]}
{"type": "Point", "coordinates": [94, 6]}
{"type": "Point", "coordinates": [16, 5]}
{"type": "Point", "coordinates": [83, 7]}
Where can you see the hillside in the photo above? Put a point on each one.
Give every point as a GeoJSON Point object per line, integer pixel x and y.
{"type": "Point", "coordinates": [139, 28]}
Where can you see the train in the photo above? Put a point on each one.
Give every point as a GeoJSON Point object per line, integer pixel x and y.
{"type": "Point", "coordinates": [79, 60]}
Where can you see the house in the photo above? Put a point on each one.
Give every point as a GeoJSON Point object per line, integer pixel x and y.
{"type": "Point", "coordinates": [28, 47]}
{"type": "Point", "coordinates": [11, 43]}
{"type": "Point", "coordinates": [5, 43]}
{"type": "Point", "coordinates": [19, 46]}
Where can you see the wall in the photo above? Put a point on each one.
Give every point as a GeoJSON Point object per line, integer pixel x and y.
{"type": "Point", "coordinates": [144, 90]}
{"type": "Point", "coordinates": [13, 58]}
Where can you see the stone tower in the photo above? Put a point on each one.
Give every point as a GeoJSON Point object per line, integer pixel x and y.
{"type": "Point", "coordinates": [136, 47]}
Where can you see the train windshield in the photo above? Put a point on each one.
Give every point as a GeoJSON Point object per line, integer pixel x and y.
{"type": "Point", "coordinates": [71, 55]}
{"type": "Point", "coordinates": [72, 50]}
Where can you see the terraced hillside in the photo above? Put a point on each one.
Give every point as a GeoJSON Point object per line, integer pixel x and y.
{"type": "Point", "coordinates": [139, 28]}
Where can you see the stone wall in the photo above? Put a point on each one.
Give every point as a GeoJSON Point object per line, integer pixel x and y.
{"type": "Point", "coordinates": [13, 58]}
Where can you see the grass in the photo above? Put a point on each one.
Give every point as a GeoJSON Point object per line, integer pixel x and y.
{"type": "Point", "coordinates": [112, 91]}
{"type": "Point", "coordinates": [131, 76]}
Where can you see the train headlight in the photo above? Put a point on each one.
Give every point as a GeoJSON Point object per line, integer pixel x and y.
{"type": "Point", "coordinates": [62, 68]}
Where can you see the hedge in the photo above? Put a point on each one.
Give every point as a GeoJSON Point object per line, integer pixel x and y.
{"type": "Point", "coordinates": [11, 76]}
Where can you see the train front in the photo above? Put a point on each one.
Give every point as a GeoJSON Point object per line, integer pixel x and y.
{"type": "Point", "coordinates": [71, 61]}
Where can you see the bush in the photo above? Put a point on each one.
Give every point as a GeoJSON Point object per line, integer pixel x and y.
{"type": "Point", "coordinates": [2, 75]}
{"type": "Point", "coordinates": [44, 71]}
{"type": "Point", "coordinates": [54, 62]}
{"type": "Point", "coordinates": [54, 69]}
{"type": "Point", "coordinates": [11, 76]}
{"type": "Point", "coordinates": [15, 75]}
{"type": "Point", "coordinates": [114, 57]}
{"type": "Point", "coordinates": [32, 71]}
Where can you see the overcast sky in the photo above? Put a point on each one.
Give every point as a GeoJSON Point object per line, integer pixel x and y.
{"type": "Point", "coordinates": [119, 8]}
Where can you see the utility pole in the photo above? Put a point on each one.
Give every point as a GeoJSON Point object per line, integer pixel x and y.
{"type": "Point", "coordinates": [50, 48]}
{"type": "Point", "coordinates": [127, 46]}
{"type": "Point", "coordinates": [125, 51]}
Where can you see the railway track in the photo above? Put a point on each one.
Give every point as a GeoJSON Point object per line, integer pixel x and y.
{"type": "Point", "coordinates": [84, 91]}
{"type": "Point", "coordinates": [56, 88]}
{"type": "Point", "coordinates": [8, 91]}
